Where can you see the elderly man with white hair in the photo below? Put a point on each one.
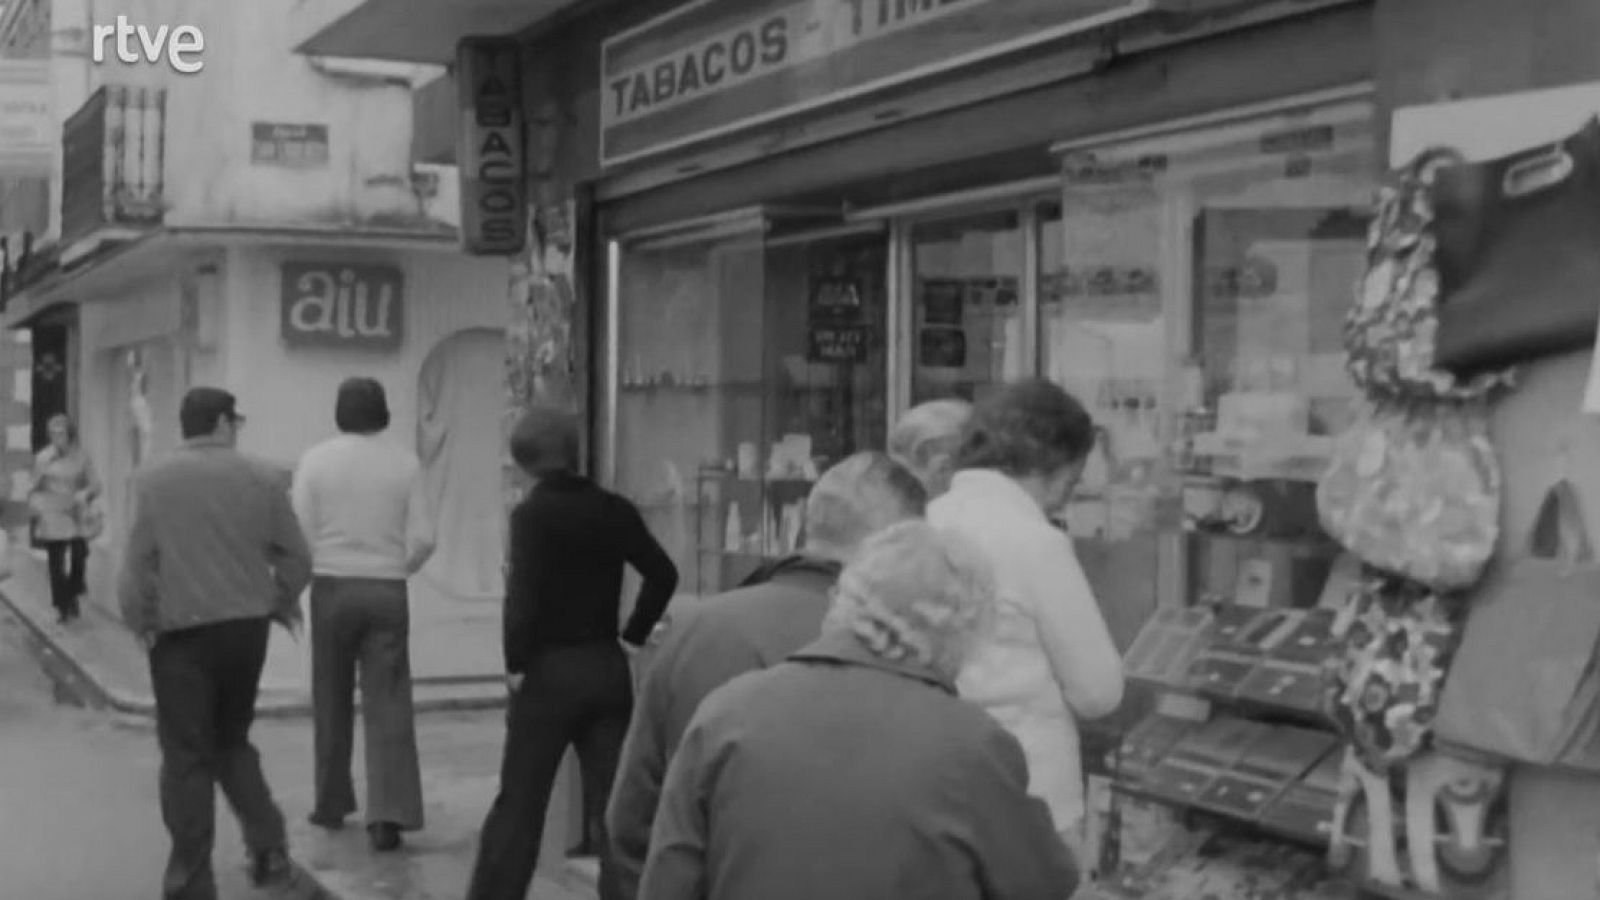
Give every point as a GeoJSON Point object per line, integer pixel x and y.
{"type": "Point", "coordinates": [852, 771]}
{"type": "Point", "coordinates": [926, 439]}
{"type": "Point", "coordinates": [753, 627]}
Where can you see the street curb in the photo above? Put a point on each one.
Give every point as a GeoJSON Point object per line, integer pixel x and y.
{"type": "Point", "coordinates": [98, 692]}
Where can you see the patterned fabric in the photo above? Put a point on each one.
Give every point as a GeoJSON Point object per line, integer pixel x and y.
{"type": "Point", "coordinates": [1383, 689]}
{"type": "Point", "coordinates": [1227, 866]}
{"type": "Point", "coordinates": [1415, 490]}
{"type": "Point", "coordinates": [1391, 329]}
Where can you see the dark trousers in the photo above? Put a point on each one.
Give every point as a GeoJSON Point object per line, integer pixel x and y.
{"type": "Point", "coordinates": [579, 697]}
{"type": "Point", "coordinates": [205, 682]}
{"type": "Point", "coordinates": [363, 624]}
{"type": "Point", "coordinates": [67, 561]}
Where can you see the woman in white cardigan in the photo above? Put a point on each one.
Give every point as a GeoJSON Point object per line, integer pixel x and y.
{"type": "Point", "coordinates": [1050, 661]}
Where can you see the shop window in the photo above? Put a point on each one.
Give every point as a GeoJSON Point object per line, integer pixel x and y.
{"type": "Point", "coordinates": [1193, 289]}
{"type": "Point", "coordinates": [967, 318]}
{"type": "Point", "coordinates": [745, 366]}
{"type": "Point", "coordinates": [1104, 336]}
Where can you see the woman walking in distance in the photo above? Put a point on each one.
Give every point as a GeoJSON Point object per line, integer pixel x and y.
{"type": "Point", "coordinates": [565, 665]}
{"type": "Point", "coordinates": [64, 517]}
{"type": "Point", "coordinates": [360, 501]}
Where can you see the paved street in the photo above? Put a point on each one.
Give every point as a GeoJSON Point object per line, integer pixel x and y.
{"type": "Point", "coordinates": [79, 818]}
{"type": "Point", "coordinates": [78, 813]}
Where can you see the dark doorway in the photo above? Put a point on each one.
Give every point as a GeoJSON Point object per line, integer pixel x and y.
{"type": "Point", "coordinates": [51, 378]}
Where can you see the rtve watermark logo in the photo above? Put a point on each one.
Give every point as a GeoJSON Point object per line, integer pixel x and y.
{"type": "Point", "coordinates": [182, 47]}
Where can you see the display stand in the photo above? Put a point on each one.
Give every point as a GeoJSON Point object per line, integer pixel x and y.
{"type": "Point", "coordinates": [1232, 782]}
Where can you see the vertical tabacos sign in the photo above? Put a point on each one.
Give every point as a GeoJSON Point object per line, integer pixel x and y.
{"type": "Point", "coordinates": [715, 66]}
{"type": "Point", "coordinates": [492, 152]}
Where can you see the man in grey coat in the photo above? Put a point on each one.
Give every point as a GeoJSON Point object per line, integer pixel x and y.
{"type": "Point", "coordinates": [213, 558]}
{"type": "Point", "coordinates": [750, 628]}
{"type": "Point", "coordinates": [852, 771]}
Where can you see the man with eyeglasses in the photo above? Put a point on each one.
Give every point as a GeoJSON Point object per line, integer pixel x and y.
{"type": "Point", "coordinates": [214, 556]}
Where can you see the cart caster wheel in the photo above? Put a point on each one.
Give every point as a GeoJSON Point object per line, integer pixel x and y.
{"type": "Point", "coordinates": [1470, 865]}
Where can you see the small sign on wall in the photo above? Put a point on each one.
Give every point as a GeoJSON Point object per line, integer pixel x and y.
{"type": "Point", "coordinates": [287, 144]}
{"type": "Point", "coordinates": [343, 305]}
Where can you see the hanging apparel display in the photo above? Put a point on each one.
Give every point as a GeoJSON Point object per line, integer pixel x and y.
{"type": "Point", "coordinates": [1526, 688]}
{"type": "Point", "coordinates": [1519, 254]}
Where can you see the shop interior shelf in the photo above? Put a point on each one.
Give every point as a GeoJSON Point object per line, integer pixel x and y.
{"type": "Point", "coordinates": [1309, 839]}
{"type": "Point", "coordinates": [1249, 707]}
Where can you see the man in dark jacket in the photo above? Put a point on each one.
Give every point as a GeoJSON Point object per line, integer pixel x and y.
{"type": "Point", "coordinates": [750, 628]}
{"type": "Point", "coordinates": [853, 771]}
{"type": "Point", "coordinates": [214, 555]}
{"type": "Point", "coordinates": [564, 637]}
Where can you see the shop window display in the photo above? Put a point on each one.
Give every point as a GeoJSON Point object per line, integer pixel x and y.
{"type": "Point", "coordinates": [967, 276]}
{"type": "Point", "coordinates": [746, 366]}
{"type": "Point", "coordinates": [1192, 293]}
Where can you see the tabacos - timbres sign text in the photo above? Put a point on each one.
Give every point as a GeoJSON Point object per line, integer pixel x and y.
{"type": "Point", "coordinates": [797, 34]}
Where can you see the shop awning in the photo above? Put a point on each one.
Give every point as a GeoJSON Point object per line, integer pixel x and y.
{"type": "Point", "coordinates": [413, 31]}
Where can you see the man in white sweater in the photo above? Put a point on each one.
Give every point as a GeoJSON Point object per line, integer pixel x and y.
{"type": "Point", "coordinates": [360, 501]}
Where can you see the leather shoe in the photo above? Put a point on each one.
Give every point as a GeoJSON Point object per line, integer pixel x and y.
{"type": "Point", "coordinates": [325, 821]}
{"type": "Point", "coordinates": [270, 867]}
{"type": "Point", "coordinates": [385, 836]}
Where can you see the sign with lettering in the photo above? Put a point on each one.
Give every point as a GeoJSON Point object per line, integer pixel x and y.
{"type": "Point", "coordinates": [29, 133]}
{"type": "Point", "coordinates": [837, 333]}
{"type": "Point", "coordinates": [284, 144]}
{"type": "Point", "coordinates": [343, 305]}
{"type": "Point", "coordinates": [493, 149]}
{"type": "Point", "coordinates": [715, 66]}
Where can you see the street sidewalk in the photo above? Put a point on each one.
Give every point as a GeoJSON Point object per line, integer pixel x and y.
{"type": "Point", "coordinates": [460, 743]}
{"type": "Point", "coordinates": [454, 645]}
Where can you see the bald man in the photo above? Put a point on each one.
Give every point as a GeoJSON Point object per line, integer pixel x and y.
{"type": "Point", "coordinates": [753, 627]}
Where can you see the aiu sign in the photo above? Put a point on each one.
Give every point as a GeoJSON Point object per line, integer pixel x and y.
{"type": "Point", "coordinates": [343, 305]}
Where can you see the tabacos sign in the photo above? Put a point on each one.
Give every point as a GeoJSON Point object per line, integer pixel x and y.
{"type": "Point", "coordinates": [492, 150]}
{"type": "Point", "coordinates": [343, 305]}
{"type": "Point", "coordinates": [712, 67]}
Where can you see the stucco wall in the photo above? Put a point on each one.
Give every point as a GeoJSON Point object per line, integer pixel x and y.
{"type": "Point", "coordinates": [288, 393]}
{"type": "Point", "coordinates": [252, 74]}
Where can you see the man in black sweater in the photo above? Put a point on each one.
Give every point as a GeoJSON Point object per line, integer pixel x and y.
{"type": "Point", "coordinates": [567, 670]}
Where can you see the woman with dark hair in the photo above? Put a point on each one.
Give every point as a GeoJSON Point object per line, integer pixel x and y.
{"type": "Point", "coordinates": [64, 516]}
{"type": "Point", "coordinates": [1050, 659]}
{"type": "Point", "coordinates": [360, 501]}
{"type": "Point", "coordinates": [565, 652]}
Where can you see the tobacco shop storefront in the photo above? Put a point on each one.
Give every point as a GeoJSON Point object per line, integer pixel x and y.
{"type": "Point", "coordinates": [784, 223]}
{"type": "Point", "coordinates": [809, 221]}
{"type": "Point", "coordinates": [1100, 192]}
